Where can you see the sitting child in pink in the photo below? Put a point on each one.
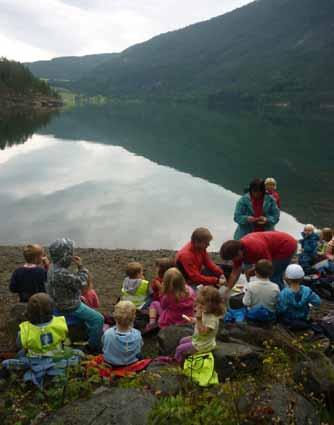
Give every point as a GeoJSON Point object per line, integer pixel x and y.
{"type": "Point", "coordinates": [177, 299]}
{"type": "Point", "coordinates": [88, 295]}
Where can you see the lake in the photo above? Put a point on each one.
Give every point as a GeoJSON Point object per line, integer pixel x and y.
{"type": "Point", "coordinates": [144, 175]}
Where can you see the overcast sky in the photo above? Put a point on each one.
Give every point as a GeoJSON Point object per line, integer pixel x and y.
{"type": "Point", "coordinates": [42, 29]}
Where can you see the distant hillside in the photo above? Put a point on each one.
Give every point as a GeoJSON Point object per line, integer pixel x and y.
{"type": "Point", "coordinates": [16, 79]}
{"type": "Point", "coordinates": [268, 47]}
{"type": "Point", "coordinates": [21, 90]}
{"type": "Point", "coordinates": [68, 68]}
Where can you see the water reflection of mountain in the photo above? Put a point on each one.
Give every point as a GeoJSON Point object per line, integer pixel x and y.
{"type": "Point", "coordinates": [16, 128]}
{"type": "Point", "coordinates": [225, 149]}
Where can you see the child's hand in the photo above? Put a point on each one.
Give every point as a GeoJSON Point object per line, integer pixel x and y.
{"type": "Point", "coordinates": [189, 319]}
{"type": "Point", "coordinates": [77, 260]}
{"type": "Point", "coordinates": [45, 261]}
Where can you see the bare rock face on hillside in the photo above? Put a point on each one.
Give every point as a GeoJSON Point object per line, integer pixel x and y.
{"type": "Point", "coordinates": [117, 406]}
{"type": "Point", "coordinates": [169, 338]}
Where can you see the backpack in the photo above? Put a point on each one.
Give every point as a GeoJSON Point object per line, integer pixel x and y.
{"type": "Point", "coordinates": [200, 368]}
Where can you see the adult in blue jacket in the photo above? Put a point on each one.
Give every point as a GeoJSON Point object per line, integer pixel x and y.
{"type": "Point", "coordinates": [256, 211]}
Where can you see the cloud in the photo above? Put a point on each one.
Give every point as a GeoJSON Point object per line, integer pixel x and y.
{"type": "Point", "coordinates": [31, 30]}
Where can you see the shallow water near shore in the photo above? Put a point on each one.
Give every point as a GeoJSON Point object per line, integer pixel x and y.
{"type": "Point", "coordinates": [144, 176]}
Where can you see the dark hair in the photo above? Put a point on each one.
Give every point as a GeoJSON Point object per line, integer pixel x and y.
{"type": "Point", "coordinates": [39, 309]}
{"type": "Point", "coordinates": [133, 269]}
{"type": "Point", "coordinates": [163, 265]}
{"type": "Point", "coordinates": [264, 268]}
{"type": "Point", "coordinates": [201, 234]}
{"type": "Point", "coordinates": [257, 185]}
{"type": "Point", "coordinates": [230, 249]}
{"type": "Point", "coordinates": [212, 300]}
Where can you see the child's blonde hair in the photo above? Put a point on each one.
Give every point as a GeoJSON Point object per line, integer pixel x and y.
{"type": "Point", "coordinates": [174, 283]}
{"type": "Point", "coordinates": [125, 313]}
{"type": "Point", "coordinates": [309, 227]}
{"type": "Point", "coordinates": [210, 298]}
{"type": "Point", "coordinates": [31, 252]}
{"type": "Point", "coordinates": [133, 269]}
{"type": "Point", "coordinates": [271, 180]}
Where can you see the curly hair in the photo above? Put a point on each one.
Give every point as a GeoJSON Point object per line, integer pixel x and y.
{"type": "Point", "coordinates": [212, 301]}
{"type": "Point", "coordinates": [125, 313]}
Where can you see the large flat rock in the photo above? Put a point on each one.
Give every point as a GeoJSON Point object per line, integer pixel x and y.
{"type": "Point", "coordinates": [116, 406]}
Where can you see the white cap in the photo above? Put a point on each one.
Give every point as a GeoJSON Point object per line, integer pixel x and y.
{"type": "Point", "coordinates": [294, 272]}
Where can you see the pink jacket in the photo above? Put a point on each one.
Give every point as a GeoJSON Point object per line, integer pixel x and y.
{"type": "Point", "coordinates": [172, 310]}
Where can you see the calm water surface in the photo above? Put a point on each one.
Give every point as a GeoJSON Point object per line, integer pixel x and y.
{"type": "Point", "coordinates": [143, 176]}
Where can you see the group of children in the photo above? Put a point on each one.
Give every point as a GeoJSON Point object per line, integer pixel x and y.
{"type": "Point", "coordinates": [55, 294]}
{"type": "Point", "coordinates": [317, 248]}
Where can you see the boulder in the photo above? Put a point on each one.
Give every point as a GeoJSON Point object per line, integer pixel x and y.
{"type": "Point", "coordinates": [168, 338]}
{"type": "Point", "coordinates": [316, 374]}
{"type": "Point", "coordinates": [279, 404]}
{"type": "Point", "coordinates": [232, 358]}
{"type": "Point", "coordinates": [116, 406]}
{"type": "Point", "coordinates": [163, 379]}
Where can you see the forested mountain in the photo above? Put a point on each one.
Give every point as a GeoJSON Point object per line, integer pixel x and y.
{"type": "Point", "coordinates": [266, 47]}
{"type": "Point", "coordinates": [17, 80]}
{"type": "Point", "coordinates": [68, 68]}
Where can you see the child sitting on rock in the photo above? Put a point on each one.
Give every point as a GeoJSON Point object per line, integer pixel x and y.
{"type": "Point", "coordinates": [271, 188]}
{"type": "Point", "coordinates": [177, 300]}
{"type": "Point", "coordinates": [294, 301]}
{"type": "Point", "coordinates": [261, 294]}
{"type": "Point", "coordinates": [326, 236]}
{"type": "Point", "coordinates": [209, 309]}
{"type": "Point", "coordinates": [30, 278]}
{"type": "Point", "coordinates": [64, 287]}
{"type": "Point", "coordinates": [162, 265]}
{"type": "Point", "coordinates": [88, 295]}
{"type": "Point", "coordinates": [309, 244]}
{"type": "Point", "coordinates": [135, 288]}
{"type": "Point", "coordinates": [122, 343]}
{"type": "Point", "coordinates": [41, 340]}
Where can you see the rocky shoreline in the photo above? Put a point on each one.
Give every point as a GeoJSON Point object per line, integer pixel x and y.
{"type": "Point", "coordinates": [27, 103]}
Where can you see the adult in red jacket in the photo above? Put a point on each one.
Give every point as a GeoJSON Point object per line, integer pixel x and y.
{"type": "Point", "coordinates": [193, 259]}
{"type": "Point", "coordinates": [278, 247]}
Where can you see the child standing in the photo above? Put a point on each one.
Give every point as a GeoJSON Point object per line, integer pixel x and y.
{"type": "Point", "coordinates": [41, 339]}
{"type": "Point", "coordinates": [135, 288]}
{"type": "Point", "coordinates": [122, 343]}
{"type": "Point", "coordinates": [177, 300]}
{"type": "Point", "coordinates": [309, 244]}
{"type": "Point", "coordinates": [88, 295]}
{"type": "Point", "coordinates": [271, 188]}
{"type": "Point", "coordinates": [30, 278]}
{"type": "Point", "coordinates": [294, 301]}
{"type": "Point", "coordinates": [162, 265]}
{"type": "Point", "coordinates": [261, 295]}
{"type": "Point", "coordinates": [209, 309]}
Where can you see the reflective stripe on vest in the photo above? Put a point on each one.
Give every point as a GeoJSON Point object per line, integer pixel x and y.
{"type": "Point", "coordinates": [139, 297]}
{"type": "Point", "coordinates": [43, 340]}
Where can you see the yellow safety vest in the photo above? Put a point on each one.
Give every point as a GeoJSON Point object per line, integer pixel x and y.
{"type": "Point", "coordinates": [44, 340]}
{"type": "Point", "coordinates": [139, 297]}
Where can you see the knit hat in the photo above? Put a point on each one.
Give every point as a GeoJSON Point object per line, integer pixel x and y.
{"type": "Point", "coordinates": [294, 272]}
